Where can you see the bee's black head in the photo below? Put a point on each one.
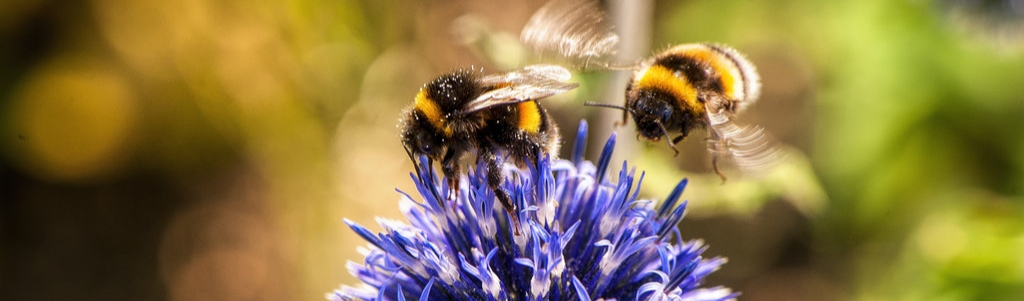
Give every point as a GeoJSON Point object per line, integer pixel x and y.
{"type": "Point", "coordinates": [427, 125]}
{"type": "Point", "coordinates": [421, 139]}
{"type": "Point", "coordinates": [655, 115]}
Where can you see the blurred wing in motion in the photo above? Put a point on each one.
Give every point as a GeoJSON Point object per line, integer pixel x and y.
{"type": "Point", "coordinates": [575, 29]}
{"type": "Point", "coordinates": [530, 83]}
{"type": "Point", "coordinates": [749, 147]}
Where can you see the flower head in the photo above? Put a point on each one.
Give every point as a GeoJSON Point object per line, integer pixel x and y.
{"type": "Point", "coordinates": [584, 238]}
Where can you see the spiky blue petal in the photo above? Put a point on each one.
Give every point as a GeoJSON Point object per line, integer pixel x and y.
{"type": "Point", "coordinates": [584, 237]}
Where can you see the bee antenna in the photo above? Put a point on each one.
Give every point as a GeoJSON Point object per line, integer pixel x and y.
{"type": "Point", "coordinates": [419, 176]}
{"type": "Point", "coordinates": [604, 105]}
{"type": "Point", "coordinates": [415, 165]}
{"type": "Point", "coordinates": [409, 153]}
{"type": "Point", "coordinates": [667, 137]}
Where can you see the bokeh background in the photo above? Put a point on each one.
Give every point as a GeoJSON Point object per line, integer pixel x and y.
{"type": "Point", "coordinates": [208, 150]}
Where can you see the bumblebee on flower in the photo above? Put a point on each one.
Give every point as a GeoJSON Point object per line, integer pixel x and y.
{"type": "Point", "coordinates": [584, 237]}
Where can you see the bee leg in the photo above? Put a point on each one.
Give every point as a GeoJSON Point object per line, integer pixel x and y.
{"type": "Point", "coordinates": [453, 190]}
{"type": "Point", "coordinates": [494, 180]}
{"type": "Point", "coordinates": [671, 142]}
{"type": "Point", "coordinates": [716, 145]}
{"type": "Point", "coordinates": [677, 139]}
{"type": "Point", "coordinates": [450, 167]}
{"type": "Point", "coordinates": [714, 164]}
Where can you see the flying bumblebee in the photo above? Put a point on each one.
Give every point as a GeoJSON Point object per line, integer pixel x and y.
{"type": "Point", "coordinates": [683, 88]}
{"type": "Point", "coordinates": [693, 86]}
{"type": "Point", "coordinates": [494, 115]}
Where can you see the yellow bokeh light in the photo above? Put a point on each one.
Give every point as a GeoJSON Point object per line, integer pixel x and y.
{"type": "Point", "coordinates": [73, 119]}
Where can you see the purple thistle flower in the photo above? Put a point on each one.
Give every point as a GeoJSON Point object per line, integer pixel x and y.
{"type": "Point", "coordinates": [583, 238]}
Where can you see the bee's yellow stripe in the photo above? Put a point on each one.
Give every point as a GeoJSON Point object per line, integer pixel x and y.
{"type": "Point", "coordinates": [529, 116]}
{"type": "Point", "coordinates": [723, 65]}
{"type": "Point", "coordinates": [432, 112]}
{"type": "Point", "coordinates": [659, 78]}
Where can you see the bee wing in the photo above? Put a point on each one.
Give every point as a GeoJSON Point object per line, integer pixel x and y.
{"type": "Point", "coordinates": [575, 29]}
{"type": "Point", "coordinates": [530, 83]}
{"type": "Point", "coordinates": [529, 74]}
{"type": "Point", "coordinates": [750, 147]}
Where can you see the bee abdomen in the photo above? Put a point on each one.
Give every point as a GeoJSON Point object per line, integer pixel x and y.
{"type": "Point", "coordinates": [713, 68]}
{"type": "Point", "coordinates": [529, 116]}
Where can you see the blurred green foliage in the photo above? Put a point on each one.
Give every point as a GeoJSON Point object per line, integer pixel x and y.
{"type": "Point", "coordinates": [917, 137]}
{"type": "Point", "coordinates": [230, 138]}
